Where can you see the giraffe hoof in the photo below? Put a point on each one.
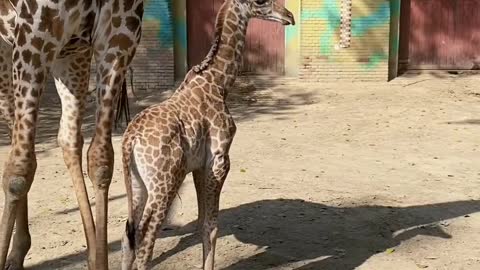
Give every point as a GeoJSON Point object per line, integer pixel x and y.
{"type": "Point", "coordinates": [13, 265]}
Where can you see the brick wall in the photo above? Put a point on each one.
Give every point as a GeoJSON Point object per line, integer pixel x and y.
{"type": "Point", "coordinates": [322, 57]}
{"type": "Point", "coordinates": [154, 62]}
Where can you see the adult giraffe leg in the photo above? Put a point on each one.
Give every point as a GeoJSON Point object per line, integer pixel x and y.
{"type": "Point", "coordinates": [6, 91]}
{"type": "Point", "coordinates": [72, 75]}
{"type": "Point", "coordinates": [28, 83]}
{"type": "Point", "coordinates": [21, 240]}
{"type": "Point", "coordinates": [115, 47]}
{"type": "Point", "coordinates": [111, 71]}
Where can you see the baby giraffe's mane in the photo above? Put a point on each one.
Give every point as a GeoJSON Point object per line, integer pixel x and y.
{"type": "Point", "coordinates": [198, 69]}
{"type": "Point", "coordinates": [216, 40]}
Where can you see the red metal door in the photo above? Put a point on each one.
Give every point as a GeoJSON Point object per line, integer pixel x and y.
{"type": "Point", "coordinates": [265, 43]}
{"type": "Point", "coordinates": [467, 34]}
{"type": "Point", "coordinates": [200, 24]}
{"type": "Point", "coordinates": [443, 34]}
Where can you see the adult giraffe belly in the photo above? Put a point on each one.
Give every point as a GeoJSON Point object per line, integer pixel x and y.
{"type": "Point", "coordinates": [7, 21]}
{"type": "Point", "coordinates": [75, 45]}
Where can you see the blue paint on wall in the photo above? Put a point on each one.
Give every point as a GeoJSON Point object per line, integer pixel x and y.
{"type": "Point", "coordinates": [332, 14]}
{"type": "Point", "coordinates": [181, 32]}
{"type": "Point", "coordinates": [160, 11]}
{"type": "Point", "coordinates": [361, 25]}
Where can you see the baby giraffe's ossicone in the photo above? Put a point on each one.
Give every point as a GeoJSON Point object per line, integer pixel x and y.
{"type": "Point", "coordinates": [190, 132]}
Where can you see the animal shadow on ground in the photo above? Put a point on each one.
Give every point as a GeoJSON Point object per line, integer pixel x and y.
{"type": "Point", "coordinates": [309, 235]}
{"type": "Point", "coordinates": [321, 236]}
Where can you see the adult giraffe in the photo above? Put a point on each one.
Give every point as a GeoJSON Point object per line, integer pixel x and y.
{"type": "Point", "coordinates": [61, 37]}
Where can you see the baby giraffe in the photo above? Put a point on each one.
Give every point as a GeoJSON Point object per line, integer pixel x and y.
{"type": "Point", "coordinates": [190, 132]}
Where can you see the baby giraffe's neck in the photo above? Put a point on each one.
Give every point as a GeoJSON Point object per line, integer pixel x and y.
{"type": "Point", "coordinates": [224, 59]}
{"type": "Point", "coordinates": [232, 24]}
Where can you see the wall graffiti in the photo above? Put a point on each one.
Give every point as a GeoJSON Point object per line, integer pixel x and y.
{"type": "Point", "coordinates": [158, 16]}
{"type": "Point", "coordinates": [154, 60]}
{"type": "Point", "coordinates": [347, 31]}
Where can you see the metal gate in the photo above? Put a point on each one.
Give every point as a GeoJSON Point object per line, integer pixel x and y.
{"type": "Point", "coordinates": [442, 34]}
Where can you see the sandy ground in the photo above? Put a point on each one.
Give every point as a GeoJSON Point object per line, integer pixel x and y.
{"type": "Point", "coordinates": [324, 176]}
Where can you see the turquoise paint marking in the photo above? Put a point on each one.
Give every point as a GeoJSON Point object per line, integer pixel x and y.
{"type": "Point", "coordinates": [330, 13]}
{"type": "Point", "coordinates": [291, 34]}
{"type": "Point", "coordinates": [316, 14]}
{"type": "Point", "coordinates": [362, 25]}
{"type": "Point", "coordinates": [181, 34]}
{"type": "Point", "coordinates": [334, 19]}
{"type": "Point", "coordinates": [159, 11]}
{"type": "Point", "coordinates": [375, 60]}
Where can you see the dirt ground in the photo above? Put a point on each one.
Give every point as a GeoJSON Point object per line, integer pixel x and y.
{"type": "Point", "coordinates": [324, 176]}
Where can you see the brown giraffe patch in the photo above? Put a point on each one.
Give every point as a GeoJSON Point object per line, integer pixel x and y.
{"type": "Point", "coordinates": [24, 13]}
{"type": "Point", "coordinates": [116, 6]}
{"type": "Point", "coordinates": [128, 4]}
{"type": "Point", "coordinates": [132, 23]}
{"type": "Point", "coordinates": [46, 17]}
{"type": "Point", "coordinates": [139, 10]}
{"type": "Point", "coordinates": [27, 56]}
{"type": "Point", "coordinates": [37, 43]}
{"type": "Point", "coordinates": [21, 38]}
{"type": "Point", "coordinates": [32, 6]}
{"type": "Point", "coordinates": [117, 21]}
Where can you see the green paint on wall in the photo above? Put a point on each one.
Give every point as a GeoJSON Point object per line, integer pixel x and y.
{"type": "Point", "coordinates": [158, 14]}
{"type": "Point", "coordinates": [291, 34]}
{"type": "Point", "coordinates": [180, 26]}
{"type": "Point", "coordinates": [375, 60]}
{"type": "Point", "coordinates": [292, 40]}
{"type": "Point", "coordinates": [328, 37]}
{"type": "Point", "coordinates": [330, 13]}
{"type": "Point", "coordinates": [379, 17]}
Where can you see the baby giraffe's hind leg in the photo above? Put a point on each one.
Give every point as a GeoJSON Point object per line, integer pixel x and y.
{"type": "Point", "coordinates": [139, 195]}
{"type": "Point", "coordinates": [154, 213]}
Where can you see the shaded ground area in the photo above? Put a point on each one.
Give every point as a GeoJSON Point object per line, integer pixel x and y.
{"type": "Point", "coordinates": [324, 176]}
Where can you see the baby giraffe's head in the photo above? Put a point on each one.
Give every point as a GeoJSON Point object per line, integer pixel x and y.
{"type": "Point", "coordinates": [268, 10]}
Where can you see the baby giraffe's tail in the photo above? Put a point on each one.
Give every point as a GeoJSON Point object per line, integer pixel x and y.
{"type": "Point", "coordinates": [128, 241]}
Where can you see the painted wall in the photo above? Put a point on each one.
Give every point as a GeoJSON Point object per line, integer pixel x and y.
{"type": "Point", "coordinates": [154, 61]}
{"type": "Point", "coordinates": [367, 56]}
{"type": "Point", "coordinates": [180, 21]}
{"type": "Point", "coordinates": [292, 39]}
